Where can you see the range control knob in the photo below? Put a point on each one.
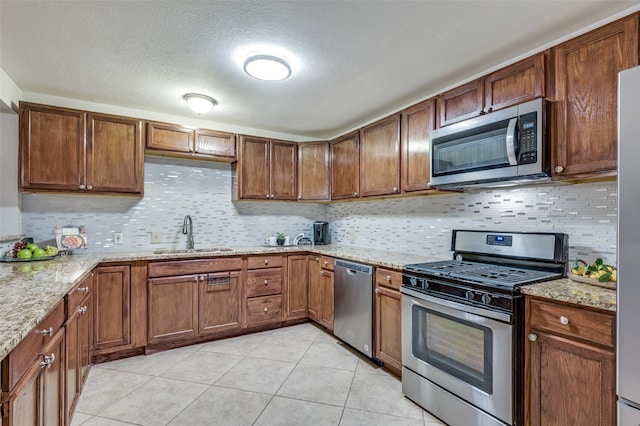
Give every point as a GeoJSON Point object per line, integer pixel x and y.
{"type": "Point", "coordinates": [470, 295]}
{"type": "Point", "coordinates": [425, 284]}
{"type": "Point", "coordinates": [486, 298]}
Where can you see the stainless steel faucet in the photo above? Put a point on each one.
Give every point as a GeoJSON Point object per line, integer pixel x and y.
{"type": "Point", "coordinates": [187, 228]}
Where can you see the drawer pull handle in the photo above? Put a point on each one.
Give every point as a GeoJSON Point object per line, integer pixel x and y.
{"type": "Point", "coordinates": [48, 360]}
{"type": "Point", "coordinates": [388, 277]}
{"type": "Point", "coordinates": [47, 331]}
{"type": "Point", "coordinates": [83, 289]}
{"type": "Point", "coordinates": [82, 310]}
{"type": "Point", "coordinates": [564, 320]}
{"type": "Point", "coordinates": [533, 337]}
{"type": "Point", "coordinates": [266, 282]}
{"type": "Point", "coordinates": [266, 261]}
{"type": "Point", "coordinates": [266, 309]}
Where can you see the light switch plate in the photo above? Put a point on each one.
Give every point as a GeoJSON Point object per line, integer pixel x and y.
{"type": "Point", "coordinates": [156, 237]}
{"type": "Point", "coordinates": [118, 238]}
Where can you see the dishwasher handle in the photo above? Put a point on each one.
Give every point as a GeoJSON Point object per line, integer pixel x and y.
{"type": "Point", "coordinates": [353, 268]}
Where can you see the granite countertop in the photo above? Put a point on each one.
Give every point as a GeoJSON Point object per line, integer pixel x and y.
{"type": "Point", "coordinates": [567, 290]}
{"type": "Point", "coordinates": [30, 290]}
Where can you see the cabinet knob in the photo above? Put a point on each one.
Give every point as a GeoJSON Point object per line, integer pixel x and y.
{"type": "Point", "coordinates": [377, 290]}
{"type": "Point", "coordinates": [355, 194]}
{"type": "Point", "coordinates": [266, 282]}
{"type": "Point", "coordinates": [195, 279]}
{"type": "Point", "coordinates": [395, 189]}
{"type": "Point", "coordinates": [266, 261]}
{"type": "Point", "coordinates": [317, 259]}
{"type": "Point", "coordinates": [82, 289]}
{"type": "Point", "coordinates": [48, 360]}
{"type": "Point", "coordinates": [266, 309]}
{"type": "Point", "coordinates": [81, 186]}
{"type": "Point", "coordinates": [202, 277]}
{"type": "Point", "coordinates": [299, 197]}
{"type": "Point", "coordinates": [533, 337]}
{"type": "Point", "coordinates": [326, 262]}
{"type": "Point", "coordinates": [388, 277]}
{"type": "Point", "coordinates": [82, 309]}
{"type": "Point", "coordinates": [321, 272]}
{"type": "Point", "coordinates": [89, 187]}
{"type": "Point", "coordinates": [559, 169]}
{"type": "Point", "coordinates": [268, 196]}
{"type": "Point", "coordinates": [564, 320]}
{"type": "Point", "coordinates": [47, 331]}
{"type": "Point", "coordinates": [273, 196]}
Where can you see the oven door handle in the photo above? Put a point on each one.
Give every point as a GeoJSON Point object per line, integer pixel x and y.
{"type": "Point", "coordinates": [500, 316]}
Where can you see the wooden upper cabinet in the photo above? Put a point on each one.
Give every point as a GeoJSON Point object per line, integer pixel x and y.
{"type": "Point", "coordinates": [68, 150]}
{"type": "Point", "coordinates": [461, 103]}
{"type": "Point", "coordinates": [313, 171]}
{"type": "Point", "coordinates": [517, 83]}
{"type": "Point", "coordinates": [175, 140]}
{"type": "Point", "coordinates": [586, 72]}
{"type": "Point", "coordinates": [380, 157]}
{"type": "Point", "coordinates": [345, 167]}
{"type": "Point", "coordinates": [511, 85]}
{"type": "Point", "coordinates": [266, 169]}
{"type": "Point", "coordinates": [115, 154]}
{"type": "Point", "coordinates": [283, 165]}
{"type": "Point", "coordinates": [52, 148]}
{"type": "Point", "coordinates": [417, 123]}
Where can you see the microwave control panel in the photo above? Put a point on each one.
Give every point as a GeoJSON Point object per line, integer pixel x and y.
{"type": "Point", "coordinates": [528, 141]}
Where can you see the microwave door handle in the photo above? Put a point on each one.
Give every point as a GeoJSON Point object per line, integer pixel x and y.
{"type": "Point", "coordinates": [511, 142]}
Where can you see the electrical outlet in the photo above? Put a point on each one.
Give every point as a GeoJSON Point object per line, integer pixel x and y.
{"type": "Point", "coordinates": [118, 238]}
{"type": "Point", "coordinates": [156, 237]}
{"type": "Point", "coordinates": [352, 235]}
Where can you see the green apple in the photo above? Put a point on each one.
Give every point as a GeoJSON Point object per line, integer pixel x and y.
{"type": "Point", "coordinates": [24, 254]}
{"type": "Point", "coordinates": [32, 246]}
{"type": "Point", "coordinates": [38, 253]}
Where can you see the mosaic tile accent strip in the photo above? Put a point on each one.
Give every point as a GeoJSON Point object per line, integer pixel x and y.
{"type": "Point", "coordinates": [422, 225]}
{"type": "Point", "coordinates": [173, 189]}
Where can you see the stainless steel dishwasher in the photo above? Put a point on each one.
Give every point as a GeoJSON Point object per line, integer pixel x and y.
{"type": "Point", "coordinates": [353, 305]}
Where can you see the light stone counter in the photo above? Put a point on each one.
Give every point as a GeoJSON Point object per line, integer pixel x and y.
{"type": "Point", "coordinates": [30, 290]}
{"type": "Point", "coordinates": [570, 291]}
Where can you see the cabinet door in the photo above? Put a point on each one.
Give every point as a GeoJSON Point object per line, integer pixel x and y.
{"type": "Point", "coordinates": [52, 153]}
{"type": "Point", "coordinates": [345, 172]}
{"type": "Point", "coordinates": [169, 137]}
{"type": "Point", "coordinates": [173, 307]}
{"type": "Point", "coordinates": [417, 124]}
{"type": "Point", "coordinates": [85, 329]}
{"type": "Point", "coordinates": [313, 171]}
{"type": "Point", "coordinates": [517, 83]}
{"type": "Point", "coordinates": [253, 162]}
{"type": "Point", "coordinates": [217, 144]}
{"type": "Point", "coordinates": [586, 70]}
{"type": "Point", "coordinates": [296, 287]}
{"type": "Point", "coordinates": [571, 383]}
{"type": "Point", "coordinates": [388, 344]}
{"type": "Point", "coordinates": [380, 157]}
{"type": "Point", "coordinates": [315, 288]}
{"type": "Point", "coordinates": [283, 170]}
{"type": "Point", "coordinates": [115, 154]}
{"type": "Point", "coordinates": [24, 408]}
{"type": "Point", "coordinates": [461, 103]}
{"type": "Point", "coordinates": [112, 303]}
{"type": "Point", "coordinates": [72, 363]}
{"type": "Point", "coordinates": [326, 281]}
{"type": "Point", "coordinates": [52, 391]}
{"type": "Point", "coordinates": [219, 302]}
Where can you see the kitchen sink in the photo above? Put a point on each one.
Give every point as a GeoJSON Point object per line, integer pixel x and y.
{"type": "Point", "coordinates": [199, 250]}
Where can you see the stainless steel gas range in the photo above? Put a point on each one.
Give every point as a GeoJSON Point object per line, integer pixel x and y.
{"type": "Point", "coordinates": [463, 324]}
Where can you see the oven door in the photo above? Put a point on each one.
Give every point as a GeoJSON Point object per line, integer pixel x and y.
{"type": "Point", "coordinates": [467, 354]}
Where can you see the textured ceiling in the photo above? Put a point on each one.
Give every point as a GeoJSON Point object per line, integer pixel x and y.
{"type": "Point", "coordinates": [352, 61]}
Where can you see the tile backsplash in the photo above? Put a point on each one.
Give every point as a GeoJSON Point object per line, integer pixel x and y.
{"type": "Point", "coordinates": [422, 225]}
{"type": "Point", "coordinates": [417, 225]}
{"type": "Point", "coordinates": [173, 189]}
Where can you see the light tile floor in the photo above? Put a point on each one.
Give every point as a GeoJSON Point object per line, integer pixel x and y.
{"type": "Point", "coordinates": [296, 375]}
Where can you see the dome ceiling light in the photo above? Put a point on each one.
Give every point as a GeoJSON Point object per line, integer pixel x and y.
{"type": "Point", "coordinates": [200, 104]}
{"type": "Point", "coordinates": [267, 67]}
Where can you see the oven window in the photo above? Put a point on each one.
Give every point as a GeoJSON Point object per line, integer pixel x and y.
{"type": "Point", "coordinates": [460, 348]}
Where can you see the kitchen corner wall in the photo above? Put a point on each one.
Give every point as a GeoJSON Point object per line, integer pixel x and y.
{"type": "Point", "coordinates": [173, 188]}
{"type": "Point", "coordinates": [422, 225]}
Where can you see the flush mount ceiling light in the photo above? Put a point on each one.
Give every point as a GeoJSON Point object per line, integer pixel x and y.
{"type": "Point", "coordinates": [267, 67]}
{"type": "Point", "coordinates": [200, 104]}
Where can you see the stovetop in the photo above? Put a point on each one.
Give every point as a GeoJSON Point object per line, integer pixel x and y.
{"type": "Point", "coordinates": [481, 273]}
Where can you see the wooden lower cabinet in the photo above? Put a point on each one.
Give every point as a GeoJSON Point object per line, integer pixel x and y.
{"type": "Point", "coordinates": [220, 303]}
{"type": "Point", "coordinates": [296, 287]}
{"type": "Point", "coordinates": [112, 308]}
{"type": "Point", "coordinates": [315, 290]}
{"type": "Point", "coordinates": [570, 365]}
{"type": "Point", "coordinates": [321, 290]}
{"type": "Point", "coordinates": [326, 284]}
{"type": "Point", "coordinates": [38, 398]}
{"type": "Point", "coordinates": [388, 333]}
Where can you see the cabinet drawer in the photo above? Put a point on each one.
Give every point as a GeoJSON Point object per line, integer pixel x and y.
{"type": "Point", "coordinates": [326, 262]}
{"type": "Point", "coordinates": [267, 261]}
{"type": "Point", "coordinates": [388, 278]}
{"type": "Point", "coordinates": [23, 356]}
{"type": "Point", "coordinates": [573, 321]}
{"type": "Point", "coordinates": [261, 282]}
{"type": "Point", "coordinates": [78, 293]}
{"type": "Point", "coordinates": [264, 309]}
{"type": "Point", "coordinates": [195, 266]}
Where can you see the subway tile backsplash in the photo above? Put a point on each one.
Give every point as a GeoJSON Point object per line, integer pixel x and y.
{"type": "Point", "coordinates": [422, 225]}
{"type": "Point", "coordinates": [417, 225]}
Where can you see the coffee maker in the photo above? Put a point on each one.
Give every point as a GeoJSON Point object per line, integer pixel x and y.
{"type": "Point", "coordinates": [321, 235]}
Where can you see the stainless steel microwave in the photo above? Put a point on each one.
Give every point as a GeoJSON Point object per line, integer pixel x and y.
{"type": "Point", "coordinates": [506, 147]}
